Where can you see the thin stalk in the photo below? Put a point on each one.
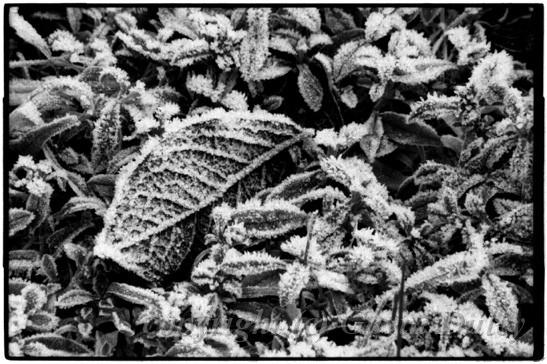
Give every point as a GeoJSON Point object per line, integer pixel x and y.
{"type": "Point", "coordinates": [25, 69]}
{"type": "Point", "coordinates": [53, 61]}
{"type": "Point", "coordinates": [311, 222]}
{"type": "Point", "coordinates": [35, 62]}
{"type": "Point", "coordinates": [401, 297]}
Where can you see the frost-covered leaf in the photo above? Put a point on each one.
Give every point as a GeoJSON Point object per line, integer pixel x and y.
{"type": "Point", "coordinates": [74, 16]}
{"type": "Point", "coordinates": [413, 71]}
{"type": "Point", "coordinates": [309, 18]}
{"type": "Point", "coordinates": [338, 20]}
{"type": "Point", "coordinates": [399, 129]}
{"type": "Point", "coordinates": [381, 23]}
{"type": "Point", "coordinates": [333, 280]}
{"type": "Point", "coordinates": [122, 326]}
{"type": "Point", "coordinates": [370, 142]}
{"type": "Point", "coordinates": [501, 302]}
{"type": "Point", "coordinates": [34, 139]}
{"type": "Point", "coordinates": [106, 136]}
{"type": "Point", "coordinates": [77, 204]}
{"type": "Point", "coordinates": [463, 266]}
{"type": "Point", "coordinates": [254, 47]}
{"type": "Point", "coordinates": [22, 262]}
{"type": "Point", "coordinates": [272, 70]}
{"type": "Point", "coordinates": [264, 221]}
{"type": "Point", "coordinates": [452, 142]}
{"type": "Point", "coordinates": [49, 267]}
{"type": "Point", "coordinates": [240, 265]}
{"type": "Point", "coordinates": [42, 321]}
{"type": "Point", "coordinates": [281, 44]}
{"type": "Point", "coordinates": [64, 41]}
{"type": "Point", "coordinates": [136, 295]}
{"type": "Point", "coordinates": [35, 297]}
{"type": "Point", "coordinates": [295, 188]}
{"type": "Point", "coordinates": [149, 225]}
{"type": "Point", "coordinates": [292, 282]}
{"type": "Point", "coordinates": [20, 90]}
{"type": "Point", "coordinates": [260, 285]}
{"type": "Point", "coordinates": [56, 98]}
{"type": "Point", "coordinates": [310, 88]}
{"type": "Point", "coordinates": [27, 32]}
{"type": "Point", "coordinates": [43, 345]}
{"type": "Point", "coordinates": [435, 107]}
{"type": "Point", "coordinates": [103, 184]}
{"type": "Point", "coordinates": [349, 97]}
{"type": "Point", "coordinates": [75, 252]}
{"type": "Point", "coordinates": [74, 297]}
{"type": "Point", "coordinates": [203, 342]}
{"type": "Point", "coordinates": [353, 55]}
{"type": "Point", "coordinates": [105, 344]}
{"type": "Point", "coordinates": [19, 219]}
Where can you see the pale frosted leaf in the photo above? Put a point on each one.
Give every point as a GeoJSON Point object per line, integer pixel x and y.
{"type": "Point", "coordinates": [254, 47]}
{"type": "Point", "coordinates": [268, 220]}
{"type": "Point", "coordinates": [309, 18]}
{"type": "Point", "coordinates": [250, 263]}
{"type": "Point", "coordinates": [53, 345]}
{"type": "Point", "coordinates": [149, 225]}
{"type": "Point", "coordinates": [74, 297]}
{"type": "Point", "coordinates": [27, 32]}
{"type": "Point", "coordinates": [106, 136]}
{"type": "Point", "coordinates": [136, 295]}
{"type": "Point", "coordinates": [501, 302]}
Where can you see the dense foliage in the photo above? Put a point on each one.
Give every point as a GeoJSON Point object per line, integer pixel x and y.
{"type": "Point", "coordinates": [268, 182]}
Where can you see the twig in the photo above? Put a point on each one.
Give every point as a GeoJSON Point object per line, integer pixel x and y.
{"type": "Point", "coordinates": [401, 297]}
{"type": "Point", "coordinates": [35, 62]}
{"type": "Point", "coordinates": [376, 315]}
{"type": "Point", "coordinates": [53, 61]}
{"type": "Point", "coordinates": [311, 222]}
{"type": "Point", "coordinates": [25, 69]}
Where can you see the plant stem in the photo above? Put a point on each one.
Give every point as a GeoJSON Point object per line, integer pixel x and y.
{"type": "Point", "coordinates": [401, 297]}
{"type": "Point", "coordinates": [35, 62]}
{"type": "Point", "coordinates": [53, 61]}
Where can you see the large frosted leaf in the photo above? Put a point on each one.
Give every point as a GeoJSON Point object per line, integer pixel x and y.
{"type": "Point", "coordinates": [150, 224]}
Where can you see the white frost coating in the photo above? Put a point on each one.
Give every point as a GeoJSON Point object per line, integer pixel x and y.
{"type": "Point", "coordinates": [128, 230]}
{"type": "Point", "coordinates": [103, 249]}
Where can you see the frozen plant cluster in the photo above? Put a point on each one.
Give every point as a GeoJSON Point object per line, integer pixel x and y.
{"type": "Point", "coordinates": [268, 182]}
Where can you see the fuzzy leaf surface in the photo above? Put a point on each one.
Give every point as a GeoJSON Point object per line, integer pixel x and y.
{"type": "Point", "coordinates": [149, 227]}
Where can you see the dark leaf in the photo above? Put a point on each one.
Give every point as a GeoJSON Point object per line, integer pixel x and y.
{"type": "Point", "coordinates": [34, 139]}
{"type": "Point", "coordinates": [398, 129]}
